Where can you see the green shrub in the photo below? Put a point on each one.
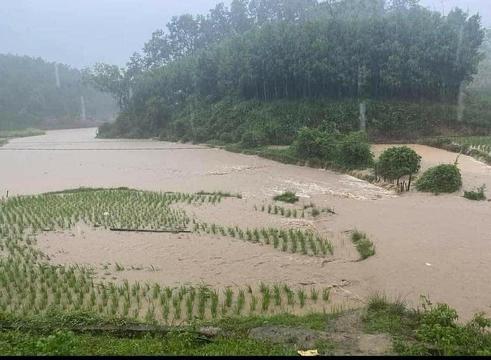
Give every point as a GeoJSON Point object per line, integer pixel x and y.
{"type": "Point", "coordinates": [314, 144]}
{"type": "Point", "coordinates": [439, 334]}
{"type": "Point", "coordinates": [354, 151]}
{"type": "Point", "coordinates": [445, 178]}
{"type": "Point", "coordinates": [288, 197]}
{"type": "Point", "coordinates": [396, 162]}
{"type": "Point", "coordinates": [477, 195]}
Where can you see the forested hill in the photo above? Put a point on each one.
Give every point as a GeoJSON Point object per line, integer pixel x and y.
{"type": "Point", "coordinates": [269, 67]}
{"type": "Point", "coordinates": [36, 93]}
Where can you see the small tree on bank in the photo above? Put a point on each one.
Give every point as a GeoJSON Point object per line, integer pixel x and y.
{"type": "Point", "coordinates": [396, 162]}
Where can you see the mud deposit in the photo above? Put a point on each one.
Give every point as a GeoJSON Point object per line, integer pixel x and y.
{"type": "Point", "coordinates": [438, 246]}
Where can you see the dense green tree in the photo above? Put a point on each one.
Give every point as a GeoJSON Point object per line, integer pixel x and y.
{"type": "Point", "coordinates": [396, 162]}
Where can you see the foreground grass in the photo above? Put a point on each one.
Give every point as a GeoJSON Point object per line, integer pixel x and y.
{"type": "Point", "coordinates": [432, 330]}
{"type": "Point", "coordinates": [59, 334]}
{"type": "Point", "coordinates": [67, 343]}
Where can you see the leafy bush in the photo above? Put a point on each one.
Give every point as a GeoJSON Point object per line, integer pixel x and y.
{"type": "Point", "coordinates": [288, 197]}
{"type": "Point", "coordinates": [396, 162]}
{"type": "Point", "coordinates": [354, 151]}
{"type": "Point", "coordinates": [445, 178]}
{"type": "Point", "coordinates": [439, 329]}
{"type": "Point", "coordinates": [477, 195]}
{"type": "Point", "coordinates": [314, 144]}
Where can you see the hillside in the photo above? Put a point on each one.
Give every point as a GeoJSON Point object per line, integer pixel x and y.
{"type": "Point", "coordinates": [41, 94]}
{"type": "Point", "coordinates": [268, 68]}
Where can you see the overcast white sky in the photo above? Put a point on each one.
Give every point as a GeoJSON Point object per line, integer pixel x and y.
{"type": "Point", "coordinates": [82, 32]}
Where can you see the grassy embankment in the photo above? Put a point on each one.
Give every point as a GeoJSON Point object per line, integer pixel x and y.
{"type": "Point", "coordinates": [479, 147]}
{"type": "Point", "coordinates": [5, 135]}
{"type": "Point", "coordinates": [432, 330]}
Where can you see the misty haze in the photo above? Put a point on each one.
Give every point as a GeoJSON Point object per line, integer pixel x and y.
{"type": "Point", "coordinates": [247, 177]}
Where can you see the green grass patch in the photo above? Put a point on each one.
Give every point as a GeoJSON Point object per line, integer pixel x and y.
{"type": "Point", "coordinates": [59, 334]}
{"type": "Point", "coordinates": [432, 330]}
{"type": "Point", "coordinates": [288, 197]}
{"type": "Point", "coordinates": [365, 247]}
{"type": "Point", "coordinates": [180, 343]}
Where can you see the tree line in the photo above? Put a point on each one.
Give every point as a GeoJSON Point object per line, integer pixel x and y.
{"type": "Point", "coordinates": [37, 93]}
{"type": "Point", "coordinates": [270, 50]}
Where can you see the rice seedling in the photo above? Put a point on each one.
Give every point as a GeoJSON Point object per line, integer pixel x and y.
{"type": "Point", "coordinates": [314, 295]}
{"type": "Point", "coordinates": [176, 303]}
{"type": "Point", "coordinates": [290, 295]}
{"type": "Point", "coordinates": [229, 296]}
{"type": "Point", "coordinates": [253, 304]}
{"type": "Point", "coordinates": [364, 246]}
{"type": "Point", "coordinates": [214, 305]}
{"type": "Point", "coordinates": [326, 293]}
{"type": "Point", "coordinates": [189, 306]}
{"type": "Point", "coordinates": [165, 312]}
{"type": "Point", "coordinates": [202, 300]}
{"type": "Point", "coordinates": [239, 306]}
{"type": "Point", "coordinates": [277, 295]}
{"type": "Point", "coordinates": [301, 297]}
{"type": "Point", "coordinates": [30, 285]}
{"type": "Point", "coordinates": [287, 196]}
{"type": "Point", "coordinates": [119, 267]}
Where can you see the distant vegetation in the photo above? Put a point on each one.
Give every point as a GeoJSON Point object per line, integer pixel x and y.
{"type": "Point", "coordinates": [20, 133]}
{"type": "Point", "coordinates": [259, 71]}
{"type": "Point", "coordinates": [8, 134]}
{"type": "Point", "coordinates": [30, 96]}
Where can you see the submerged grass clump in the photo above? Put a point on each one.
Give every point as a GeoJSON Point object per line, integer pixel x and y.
{"type": "Point", "coordinates": [307, 210]}
{"type": "Point", "coordinates": [288, 197]}
{"type": "Point", "coordinates": [364, 246]}
{"type": "Point", "coordinates": [477, 195]}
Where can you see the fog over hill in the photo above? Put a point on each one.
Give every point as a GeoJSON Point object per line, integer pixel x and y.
{"type": "Point", "coordinates": [81, 33]}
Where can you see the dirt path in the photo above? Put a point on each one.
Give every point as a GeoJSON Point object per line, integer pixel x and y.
{"type": "Point", "coordinates": [433, 245]}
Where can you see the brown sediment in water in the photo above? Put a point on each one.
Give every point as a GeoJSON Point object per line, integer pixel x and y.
{"type": "Point", "coordinates": [425, 245]}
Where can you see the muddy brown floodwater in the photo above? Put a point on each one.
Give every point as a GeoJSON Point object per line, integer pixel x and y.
{"type": "Point", "coordinates": [439, 246]}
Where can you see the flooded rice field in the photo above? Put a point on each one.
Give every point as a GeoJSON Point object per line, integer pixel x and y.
{"type": "Point", "coordinates": [439, 246]}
